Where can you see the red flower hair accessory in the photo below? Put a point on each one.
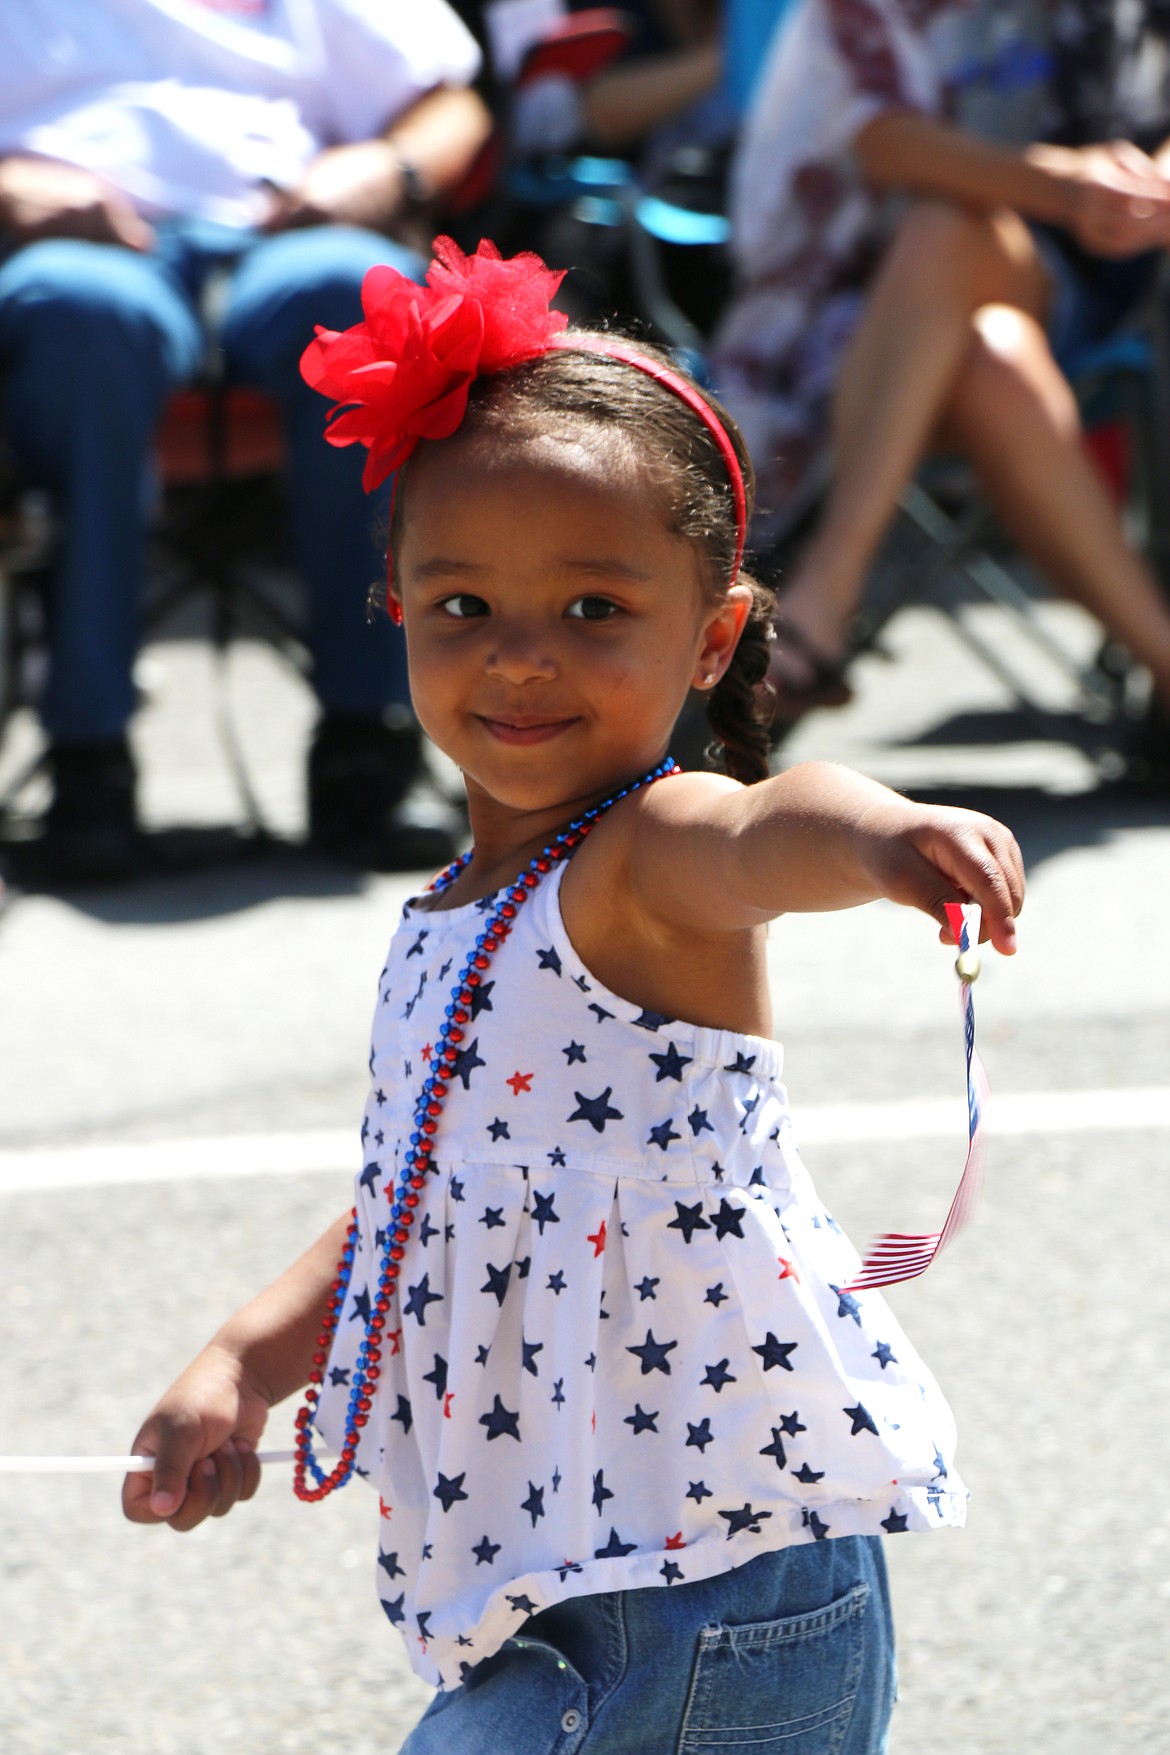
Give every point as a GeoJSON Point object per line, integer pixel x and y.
{"type": "Point", "coordinates": [403, 374]}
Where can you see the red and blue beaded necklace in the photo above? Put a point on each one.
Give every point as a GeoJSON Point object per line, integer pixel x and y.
{"type": "Point", "coordinates": [418, 1160]}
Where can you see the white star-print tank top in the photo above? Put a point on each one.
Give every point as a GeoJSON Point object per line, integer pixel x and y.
{"type": "Point", "coordinates": [618, 1356]}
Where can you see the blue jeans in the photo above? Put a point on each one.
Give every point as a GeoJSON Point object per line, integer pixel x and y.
{"type": "Point", "coordinates": [792, 1654]}
{"type": "Point", "coordinates": [93, 339]}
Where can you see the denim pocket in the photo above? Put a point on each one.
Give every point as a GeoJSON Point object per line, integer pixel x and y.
{"type": "Point", "coordinates": [788, 1687]}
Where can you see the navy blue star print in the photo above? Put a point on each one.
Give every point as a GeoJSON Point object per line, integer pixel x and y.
{"type": "Point", "coordinates": [884, 1354]}
{"type": "Point", "coordinates": [466, 1061]}
{"type": "Point", "coordinates": [641, 1421]}
{"type": "Point", "coordinates": [808, 1477]}
{"type": "Point", "coordinates": [718, 1375]}
{"type": "Point", "coordinates": [776, 1448]}
{"type": "Point", "coordinates": [774, 1352]}
{"type": "Point", "coordinates": [671, 1571]}
{"type": "Point", "coordinates": [670, 1065]}
{"type": "Point", "coordinates": [895, 1523]}
{"type": "Point", "coordinates": [600, 1491]}
{"type": "Point", "coordinates": [438, 1377]}
{"type": "Point", "coordinates": [549, 959]}
{"type": "Point", "coordinates": [543, 1210]}
{"type": "Point", "coordinates": [390, 1564]}
{"type": "Point", "coordinates": [698, 1491]}
{"type": "Point", "coordinates": [698, 1123]}
{"type": "Point", "coordinates": [534, 1504]}
{"type": "Point", "coordinates": [701, 1435]}
{"type": "Point", "coordinates": [645, 1287]}
{"type": "Point", "coordinates": [595, 1110]}
{"type": "Point", "coordinates": [491, 1217]}
{"type": "Point", "coordinates": [449, 1491]}
{"type": "Point", "coordinates": [420, 1296]}
{"type": "Point", "coordinates": [688, 1220]}
{"type": "Point", "coordinates": [744, 1519]}
{"type": "Point", "coordinates": [499, 1129]}
{"type": "Point", "coordinates": [662, 1135]}
{"type": "Point", "coordinates": [575, 1051]}
{"type": "Point", "coordinates": [403, 1413]}
{"type": "Point", "coordinates": [498, 1280]}
{"type": "Point", "coordinates": [501, 1422]}
{"type": "Point", "coordinates": [862, 1421]}
{"type": "Point", "coordinates": [715, 1295]}
{"type": "Point", "coordinates": [728, 1220]}
{"type": "Point", "coordinates": [614, 1548]}
{"type": "Point", "coordinates": [485, 1552]}
{"type": "Point", "coordinates": [653, 1353]}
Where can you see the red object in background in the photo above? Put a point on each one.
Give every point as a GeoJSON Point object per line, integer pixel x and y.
{"type": "Point", "coordinates": [580, 46]}
{"type": "Point", "coordinates": [1110, 445]}
{"type": "Point", "coordinates": [204, 434]}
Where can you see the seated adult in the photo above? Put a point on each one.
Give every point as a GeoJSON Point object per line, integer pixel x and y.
{"type": "Point", "coordinates": [149, 151]}
{"type": "Point", "coordinates": [942, 323]}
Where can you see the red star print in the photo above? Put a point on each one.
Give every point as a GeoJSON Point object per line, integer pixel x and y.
{"type": "Point", "coordinates": [394, 1336]}
{"type": "Point", "coordinates": [597, 1238]}
{"type": "Point", "coordinates": [788, 1270]}
{"type": "Point", "coordinates": [595, 1419]}
{"type": "Point", "coordinates": [384, 1509]}
{"type": "Point", "coordinates": [675, 1541]}
{"type": "Point", "coordinates": [428, 1050]}
{"type": "Point", "coordinates": [520, 1082]}
{"type": "Point", "coordinates": [447, 1400]}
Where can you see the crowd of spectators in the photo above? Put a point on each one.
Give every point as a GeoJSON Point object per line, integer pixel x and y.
{"type": "Point", "coordinates": [935, 205]}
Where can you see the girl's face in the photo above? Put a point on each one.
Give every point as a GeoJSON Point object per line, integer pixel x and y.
{"type": "Point", "coordinates": [554, 623]}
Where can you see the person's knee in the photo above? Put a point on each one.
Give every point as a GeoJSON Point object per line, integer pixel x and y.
{"type": "Point", "coordinates": [981, 255]}
{"type": "Point", "coordinates": [94, 303]}
{"type": "Point", "coordinates": [1010, 367]}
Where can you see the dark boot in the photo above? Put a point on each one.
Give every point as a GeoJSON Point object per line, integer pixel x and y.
{"type": "Point", "coordinates": [91, 831]}
{"type": "Point", "coordinates": [369, 802]}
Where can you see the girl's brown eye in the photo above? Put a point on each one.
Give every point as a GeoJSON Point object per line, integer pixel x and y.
{"type": "Point", "coordinates": [592, 609]}
{"type": "Point", "coordinates": [464, 607]}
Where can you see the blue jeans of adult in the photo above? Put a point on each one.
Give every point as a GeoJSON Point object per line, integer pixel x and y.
{"type": "Point", "coordinates": [791, 1654]}
{"type": "Point", "coordinates": [93, 339]}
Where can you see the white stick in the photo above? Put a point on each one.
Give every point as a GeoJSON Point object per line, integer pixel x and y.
{"type": "Point", "coordinates": [102, 1465]}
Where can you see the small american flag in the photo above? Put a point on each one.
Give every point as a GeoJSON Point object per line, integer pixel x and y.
{"type": "Point", "coordinates": [901, 1255]}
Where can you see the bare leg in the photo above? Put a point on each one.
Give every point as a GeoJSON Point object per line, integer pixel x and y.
{"type": "Point", "coordinates": [897, 379]}
{"type": "Point", "coordinates": [1013, 414]}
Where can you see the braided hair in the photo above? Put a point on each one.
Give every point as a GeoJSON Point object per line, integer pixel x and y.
{"type": "Point", "coordinates": [567, 387]}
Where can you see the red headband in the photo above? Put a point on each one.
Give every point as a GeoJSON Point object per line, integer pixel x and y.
{"type": "Point", "coordinates": [404, 373]}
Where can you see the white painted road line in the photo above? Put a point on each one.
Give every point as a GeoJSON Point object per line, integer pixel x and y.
{"type": "Point", "coordinates": [1010, 1115]}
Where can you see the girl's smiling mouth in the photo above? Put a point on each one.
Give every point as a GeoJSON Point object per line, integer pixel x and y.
{"type": "Point", "coordinates": [524, 728]}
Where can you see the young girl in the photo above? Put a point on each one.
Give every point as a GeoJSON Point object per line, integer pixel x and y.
{"type": "Point", "coordinates": [589, 1338]}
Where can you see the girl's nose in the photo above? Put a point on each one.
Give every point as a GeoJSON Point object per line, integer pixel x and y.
{"type": "Point", "coordinates": [520, 655]}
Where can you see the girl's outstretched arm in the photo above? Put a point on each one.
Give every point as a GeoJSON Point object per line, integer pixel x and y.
{"type": "Point", "coordinates": [203, 1433]}
{"type": "Point", "coordinates": [707, 853]}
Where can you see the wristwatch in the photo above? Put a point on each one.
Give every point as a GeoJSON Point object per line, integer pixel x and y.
{"type": "Point", "coordinates": [416, 186]}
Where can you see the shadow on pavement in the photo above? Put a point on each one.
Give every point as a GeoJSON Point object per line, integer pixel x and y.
{"type": "Point", "coordinates": [196, 873]}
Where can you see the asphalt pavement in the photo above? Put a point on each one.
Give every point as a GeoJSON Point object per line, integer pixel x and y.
{"type": "Point", "coordinates": [181, 1076]}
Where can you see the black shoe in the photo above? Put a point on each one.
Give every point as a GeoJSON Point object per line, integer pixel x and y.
{"type": "Point", "coordinates": [91, 832]}
{"type": "Point", "coordinates": [369, 801]}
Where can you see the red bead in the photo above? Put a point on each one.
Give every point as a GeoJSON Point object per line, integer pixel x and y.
{"type": "Point", "coordinates": [541, 864]}
{"type": "Point", "coordinates": [481, 962]}
{"type": "Point", "coordinates": [530, 880]}
{"type": "Point", "coordinates": [411, 1199]}
{"type": "Point", "coordinates": [316, 1377]}
{"type": "Point", "coordinates": [508, 911]}
{"type": "Point", "coordinates": [401, 1235]}
{"type": "Point", "coordinates": [489, 944]}
{"type": "Point", "coordinates": [454, 1034]}
{"type": "Point", "coordinates": [430, 1126]}
{"type": "Point", "coordinates": [397, 1253]}
{"type": "Point", "coordinates": [382, 1304]}
{"type": "Point", "coordinates": [473, 979]}
{"type": "Point", "coordinates": [361, 1419]}
{"type": "Point", "coordinates": [377, 1322]}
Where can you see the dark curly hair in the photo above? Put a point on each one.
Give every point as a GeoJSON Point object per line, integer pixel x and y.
{"type": "Point", "coordinates": [568, 386]}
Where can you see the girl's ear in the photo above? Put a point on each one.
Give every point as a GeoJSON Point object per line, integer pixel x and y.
{"type": "Point", "coordinates": [720, 636]}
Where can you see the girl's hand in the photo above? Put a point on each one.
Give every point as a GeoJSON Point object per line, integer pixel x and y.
{"type": "Point", "coordinates": [927, 855]}
{"type": "Point", "coordinates": [203, 1435]}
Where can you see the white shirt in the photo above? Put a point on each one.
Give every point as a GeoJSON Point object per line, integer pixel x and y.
{"type": "Point", "coordinates": [189, 106]}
